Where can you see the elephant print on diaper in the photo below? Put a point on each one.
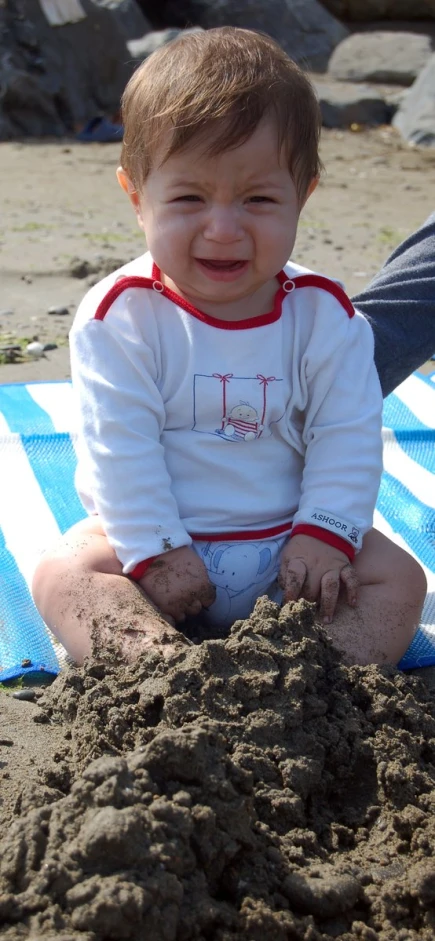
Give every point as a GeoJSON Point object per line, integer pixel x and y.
{"type": "Point", "coordinates": [241, 573]}
{"type": "Point", "coordinates": [236, 408]}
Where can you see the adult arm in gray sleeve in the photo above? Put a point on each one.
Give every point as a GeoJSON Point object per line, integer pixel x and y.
{"type": "Point", "coordinates": [400, 305]}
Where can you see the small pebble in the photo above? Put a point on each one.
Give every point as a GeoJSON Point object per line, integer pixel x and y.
{"type": "Point", "coordinates": [58, 311]}
{"type": "Point", "coordinates": [26, 662]}
{"type": "Point", "coordinates": [28, 695]}
{"type": "Point", "coordinates": [49, 346]}
{"type": "Point", "coordinates": [35, 350]}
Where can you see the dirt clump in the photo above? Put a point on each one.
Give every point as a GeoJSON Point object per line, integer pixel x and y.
{"type": "Point", "coordinates": [248, 789]}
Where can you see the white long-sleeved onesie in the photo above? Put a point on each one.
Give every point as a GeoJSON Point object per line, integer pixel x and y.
{"type": "Point", "coordinates": [196, 427]}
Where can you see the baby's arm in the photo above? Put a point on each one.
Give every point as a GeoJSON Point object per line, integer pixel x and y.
{"type": "Point", "coordinates": [343, 463]}
{"type": "Point", "coordinates": [122, 471]}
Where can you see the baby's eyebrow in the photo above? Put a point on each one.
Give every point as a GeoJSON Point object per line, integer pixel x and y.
{"type": "Point", "coordinates": [264, 184]}
{"type": "Point", "coordinates": [183, 183]}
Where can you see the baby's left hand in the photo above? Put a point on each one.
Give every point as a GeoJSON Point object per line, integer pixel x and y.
{"type": "Point", "coordinates": [314, 570]}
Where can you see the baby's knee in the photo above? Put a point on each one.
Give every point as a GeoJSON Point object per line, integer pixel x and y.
{"type": "Point", "coordinates": [409, 578]}
{"type": "Point", "coordinates": [49, 577]}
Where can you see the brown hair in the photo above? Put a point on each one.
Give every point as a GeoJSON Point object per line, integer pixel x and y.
{"type": "Point", "coordinates": [217, 85]}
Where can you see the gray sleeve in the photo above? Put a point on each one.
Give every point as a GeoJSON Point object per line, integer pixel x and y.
{"type": "Point", "coordinates": [400, 305]}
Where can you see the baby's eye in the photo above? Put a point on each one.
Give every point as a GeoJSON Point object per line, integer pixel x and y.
{"type": "Point", "coordinates": [187, 198]}
{"type": "Point", "coordinates": [261, 199]}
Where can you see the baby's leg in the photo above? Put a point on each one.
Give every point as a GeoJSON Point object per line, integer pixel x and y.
{"type": "Point", "coordinates": [391, 596]}
{"type": "Point", "coordinates": [84, 598]}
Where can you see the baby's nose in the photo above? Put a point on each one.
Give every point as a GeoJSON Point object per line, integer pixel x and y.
{"type": "Point", "coordinates": [223, 225]}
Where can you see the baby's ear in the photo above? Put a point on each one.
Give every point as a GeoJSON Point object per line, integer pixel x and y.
{"type": "Point", "coordinates": [124, 181]}
{"type": "Point", "coordinates": [312, 186]}
{"type": "Point", "coordinates": [128, 187]}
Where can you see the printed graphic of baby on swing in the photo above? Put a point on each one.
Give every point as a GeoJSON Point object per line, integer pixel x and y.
{"type": "Point", "coordinates": [243, 423]}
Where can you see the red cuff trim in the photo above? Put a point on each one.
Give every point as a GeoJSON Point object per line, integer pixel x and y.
{"type": "Point", "coordinates": [304, 529]}
{"type": "Point", "coordinates": [141, 568]}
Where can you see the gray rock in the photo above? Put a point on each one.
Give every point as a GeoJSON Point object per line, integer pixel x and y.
{"type": "Point", "coordinates": [381, 9]}
{"type": "Point", "coordinates": [27, 694]}
{"type": "Point", "coordinates": [415, 118]}
{"type": "Point", "coordinates": [58, 311]}
{"type": "Point", "coordinates": [306, 31]}
{"type": "Point", "coordinates": [53, 79]}
{"type": "Point", "coordinates": [343, 104]}
{"type": "Point", "coordinates": [381, 56]}
{"type": "Point", "coordinates": [143, 47]}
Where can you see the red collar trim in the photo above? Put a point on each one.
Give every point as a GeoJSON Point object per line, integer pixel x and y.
{"type": "Point", "coordinates": [287, 286]}
{"type": "Point", "coordinates": [247, 324]}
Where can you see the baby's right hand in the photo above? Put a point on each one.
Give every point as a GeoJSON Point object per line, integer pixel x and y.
{"type": "Point", "coordinates": [178, 584]}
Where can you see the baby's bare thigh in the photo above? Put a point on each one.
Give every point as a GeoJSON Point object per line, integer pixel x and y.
{"type": "Point", "coordinates": [381, 561]}
{"type": "Point", "coordinates": [85, 547]}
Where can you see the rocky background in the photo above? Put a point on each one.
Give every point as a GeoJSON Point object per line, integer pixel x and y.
{"type": "Point", "coordinates": [62, 62]}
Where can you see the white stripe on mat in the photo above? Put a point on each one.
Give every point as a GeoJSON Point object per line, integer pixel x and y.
{"type": "Point", "coordinates": [4, 427]}
{"type": "Point", "coordinates": [58, 401]}
{"type": "Point", "coordinates": [419, 481]}
{"type": "Point", "coordinates": [419, 398]}
{"type": "Point", "coordinates": [26, 520]}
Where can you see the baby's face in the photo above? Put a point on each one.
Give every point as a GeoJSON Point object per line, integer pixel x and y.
{"type": "Point", "coordinates": [220, 228]}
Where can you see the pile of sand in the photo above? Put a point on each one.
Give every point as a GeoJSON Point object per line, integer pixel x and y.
{"type": "Point", "coordinates": [252, 788]}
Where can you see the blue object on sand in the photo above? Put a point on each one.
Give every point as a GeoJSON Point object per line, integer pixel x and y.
{"type": "Point", "coordinates": [100, 130]}
{"type": "Point", "coordinates": [38, 501]}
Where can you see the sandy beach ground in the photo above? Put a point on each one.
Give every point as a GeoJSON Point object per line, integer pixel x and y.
{"type": "Point", "coordinates": [255, 789]}
{"type": "Point", "coordinates": [63, 214]}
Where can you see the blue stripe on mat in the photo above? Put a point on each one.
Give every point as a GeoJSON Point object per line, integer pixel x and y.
{"type": "Point", "coordinates": [55, 475]}
{"type": "Point", "coordinates": [418, 445]}
{"type": "Point", "coordinates": [421, 653]}
{"type": "Point", "coordinates": [407, 516]}
{"type": "Point", "coordinates": [23, 635]}
{"type": "Point", "coordinates": [22, 413]}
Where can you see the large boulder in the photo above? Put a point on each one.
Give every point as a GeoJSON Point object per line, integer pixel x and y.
{"type": "Point", "coordinates": [415, 118]}
{"type": "Point", "coordinates": [381, 9]}
{"type": "Point", "coordinates": [304, 28]}
{"type": "Point", "coordinates": [344, 104]}
{"type": "Point", "coordinates": [54, 79]}
{"type": "Point", "coordinates": [381, 56]}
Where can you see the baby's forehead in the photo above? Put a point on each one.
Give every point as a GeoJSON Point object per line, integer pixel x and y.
{"type": "Point", "coordinates": [257, 158]}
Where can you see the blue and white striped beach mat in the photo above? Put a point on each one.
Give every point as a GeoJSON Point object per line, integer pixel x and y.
{"type": "Point", "coordinates": [38, 501]}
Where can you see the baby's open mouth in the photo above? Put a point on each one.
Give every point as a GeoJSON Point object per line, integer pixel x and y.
{"type": "Point", "coordinates": [221, 265]}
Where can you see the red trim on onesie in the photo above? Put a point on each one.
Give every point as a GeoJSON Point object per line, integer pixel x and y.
{"type": "Point", "coordinates": [247, 324]}
{"type": "Point", "coordinates": [304, 529]}
{"type": "Point", "coordinates": [121, 285]}
{"type": "Point", "coordinates": [287, 286]}
{"type": "Point", "coordinates": [317, 281]}
{"type": "Point", "coordinates": [141, 568]}
{"type": "Point", "coordinates": [244, 536]}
